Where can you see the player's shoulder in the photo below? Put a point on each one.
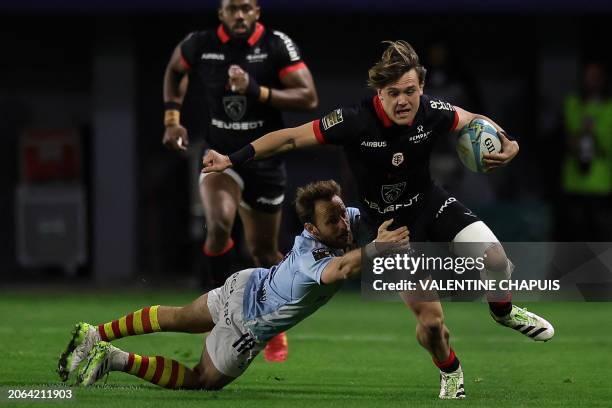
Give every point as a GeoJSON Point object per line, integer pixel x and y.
{"type": "Point", "coordinates": [310, 250]}
{"type": "Point", "coordinates": [199, 37]}
{"type": "Point", "coordinates": [432, 104]}
{"type": "Point", "coordinates": [278, 36]}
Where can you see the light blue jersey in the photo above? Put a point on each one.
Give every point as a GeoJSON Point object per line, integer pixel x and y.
{"type": "Point", "coordinates": [278, 298]}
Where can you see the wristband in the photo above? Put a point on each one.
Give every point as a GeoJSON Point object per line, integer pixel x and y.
{"type": "Point", "coordinates": [172, 106]}
{"type": "Point", "coordinates": [252, 89]}
{"type": "Point", "coordinates": [268, 97]}
{"type": "Point", "coordinates": [264, 94]}
{"type": "Point", "coordinates": [243, 155]}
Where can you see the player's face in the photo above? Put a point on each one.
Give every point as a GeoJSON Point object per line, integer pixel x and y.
{"type": "Point", "coordinates": [239, 16]}
{"type": "Point", "coordinates": [400, 100]}
{"type": "Point", "coordinates": [331, 223]}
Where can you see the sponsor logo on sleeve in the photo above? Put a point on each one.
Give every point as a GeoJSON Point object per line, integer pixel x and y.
{"type": "Point", "coordinates": [291, 49]}
{"type": "Point", "coordinates": [332, 119]}
{"type": "Point", "coordinates": [442, 105]}
{"type": "Point", "coordinates": [321, 253]}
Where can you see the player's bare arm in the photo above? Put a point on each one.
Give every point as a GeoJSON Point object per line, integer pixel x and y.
{"type": "Point", "coordinates": [268, 145]}
{"type": "Point", "coordinates": [176, 81]}
{"type": "Point", "coordinates": [349, 265]}
{"type": "Point", "coordinates": [510, 148]}
{"type": "Point", "coordinates": [298, 92]}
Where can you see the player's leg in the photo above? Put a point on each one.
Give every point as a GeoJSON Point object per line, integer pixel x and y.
{"type": "Point", "coordinates": [434, 336]}
{"type": "Point", "coordinates": [158, 370]}
{"type": "Point", "coordinates": [163, 371]}
{"type": "Point", "coordinates": [220, 195]}
{"type": "Point", "coordinates": [261, 235]}
{"type": "Point", "coordinates": [477, 240]}
{"type": "Point", "coordinates": [193, 318]}
{"type": "Point", "coordinates": [260, 213]}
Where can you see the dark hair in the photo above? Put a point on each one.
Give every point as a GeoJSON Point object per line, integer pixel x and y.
{"type": "Point", "coordinates": [221, 3]}
{"type": "Point", "coordinates": [398, 58]}
{"type": "Point", "coordinates": [307, 196]}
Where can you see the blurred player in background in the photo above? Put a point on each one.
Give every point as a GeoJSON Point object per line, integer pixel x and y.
{"type": "Point", "coordinates": [586, 205]}
{"type": "Point", "coordinates": [249, 73]}
{"type": "Point", "coordinates": [252, 307]}
{"type": "Point", "coordinates": [388, 141]}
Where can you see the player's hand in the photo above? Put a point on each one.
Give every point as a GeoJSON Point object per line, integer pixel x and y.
{"type": "Point", "coordinates": [238, 79]}
{"type": "Point", "coordinates": [399, 235]}
{"type": "Point", "coordinates": [509, 149]}
{"type": "Point", "coordinates": [175, 137]}
{"type": "Point", "coordinates": [215, 162]}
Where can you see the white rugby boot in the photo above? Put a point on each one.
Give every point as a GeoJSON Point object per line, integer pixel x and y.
{"type": "Point", "coordinates": [530, 324]}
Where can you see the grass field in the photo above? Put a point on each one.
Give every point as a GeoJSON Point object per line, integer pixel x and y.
{"type": "Point", "coordinates": [349, 354]}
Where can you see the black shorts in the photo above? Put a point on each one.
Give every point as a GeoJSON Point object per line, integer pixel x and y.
{"type": "Point", "coordinates": [436, 217]}
{"type": "Point", "coordinates": [262, 183]}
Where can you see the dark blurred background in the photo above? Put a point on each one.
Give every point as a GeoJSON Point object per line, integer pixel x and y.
{"type": "Point", "coordinates": [88, 192]}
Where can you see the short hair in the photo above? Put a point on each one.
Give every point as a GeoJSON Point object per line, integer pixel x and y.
{"type": "Point", "coordinates": [397, 59]}
{"type": "Point", "coordinates": [307, 196]}
{"type": "Point", "coordinates": [221, 3]}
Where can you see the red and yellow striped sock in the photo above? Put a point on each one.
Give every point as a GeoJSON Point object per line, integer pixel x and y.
{"type": "Point", "coordinates": [140, 322]}
{"type": "Point", "coordinates": [158, 370]}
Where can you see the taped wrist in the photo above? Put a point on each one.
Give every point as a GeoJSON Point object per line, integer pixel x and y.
{"type": "Point", "coordinates": [172, 113]}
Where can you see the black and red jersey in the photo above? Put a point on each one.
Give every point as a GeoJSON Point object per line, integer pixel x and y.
{"type": "Point", "coordinates": [390, 162]}
{"type": "Point", "coordinates": [266, 55]}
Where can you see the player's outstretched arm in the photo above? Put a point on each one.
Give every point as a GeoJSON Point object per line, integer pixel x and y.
{"type": "Point", "coordinates": [268, 145]}
{"type": "Point", "coordinates": [175, 87]}
{"type": "Point", "coordinates": [349, 265]}
{"type": "Point", "coordinates": [510, 148]}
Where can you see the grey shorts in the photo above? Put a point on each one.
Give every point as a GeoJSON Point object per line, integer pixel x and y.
{"type": "Point", "coordinates": [230, 346]}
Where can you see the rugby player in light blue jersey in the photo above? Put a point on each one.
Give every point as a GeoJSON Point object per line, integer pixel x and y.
{"type": "Point", "coordinates": [253, 305]}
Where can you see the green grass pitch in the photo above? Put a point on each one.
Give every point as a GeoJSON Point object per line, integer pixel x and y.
{"type": "Point", "coordinates": [351, 353]}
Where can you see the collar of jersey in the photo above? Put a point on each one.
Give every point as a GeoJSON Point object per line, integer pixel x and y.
{"type": "Point", "coordinates": [382, 115]}
{"type": "Point", "coordinates": [257, 33]}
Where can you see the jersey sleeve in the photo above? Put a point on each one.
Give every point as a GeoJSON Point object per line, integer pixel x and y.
{"type": "Point", "coordinates": [190, 47]}
{"type": "Point", "coordinates": [339, 127]}
{"type": "Point", "coordinates": [444, 113]}
{"type": "Point", "coordinates": [287, 55]}
{"type": "Point", "coordinates": [354, 216]}
{"type": "Point", "coordinates": [313, 263]}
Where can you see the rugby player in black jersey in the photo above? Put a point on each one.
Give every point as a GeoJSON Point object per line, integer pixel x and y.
{"type": "Point", "coordinates": [388, 140]}
{"type": "Point", "coordinates": [248, 74]}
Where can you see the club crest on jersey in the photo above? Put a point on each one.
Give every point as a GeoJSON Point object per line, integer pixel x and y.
{"type": "Point", "coordinates": [235, 106]}
{"type": "Point", "coordinates": [391, 192]}
{"type": "Point", "coordinates": [332, 119]}
{"type": "Point", "coordinates": [397, 159]}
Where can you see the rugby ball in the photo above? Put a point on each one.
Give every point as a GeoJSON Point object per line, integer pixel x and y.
{"type": "Point", "coordinates": [476, 139]}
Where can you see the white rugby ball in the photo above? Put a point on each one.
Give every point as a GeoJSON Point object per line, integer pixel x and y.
{"type": "Point", "coordinates": [476, 139]}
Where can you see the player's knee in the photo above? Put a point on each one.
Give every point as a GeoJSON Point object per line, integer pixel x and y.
{"type": "Point", "coordinates": [205, 382]}
{"type": "Point", "coordinates": [211, 385]}
{"type": "Point", "coordinates": [495, 258]}
{"type": "Point", "coordinates": [433, 325]}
